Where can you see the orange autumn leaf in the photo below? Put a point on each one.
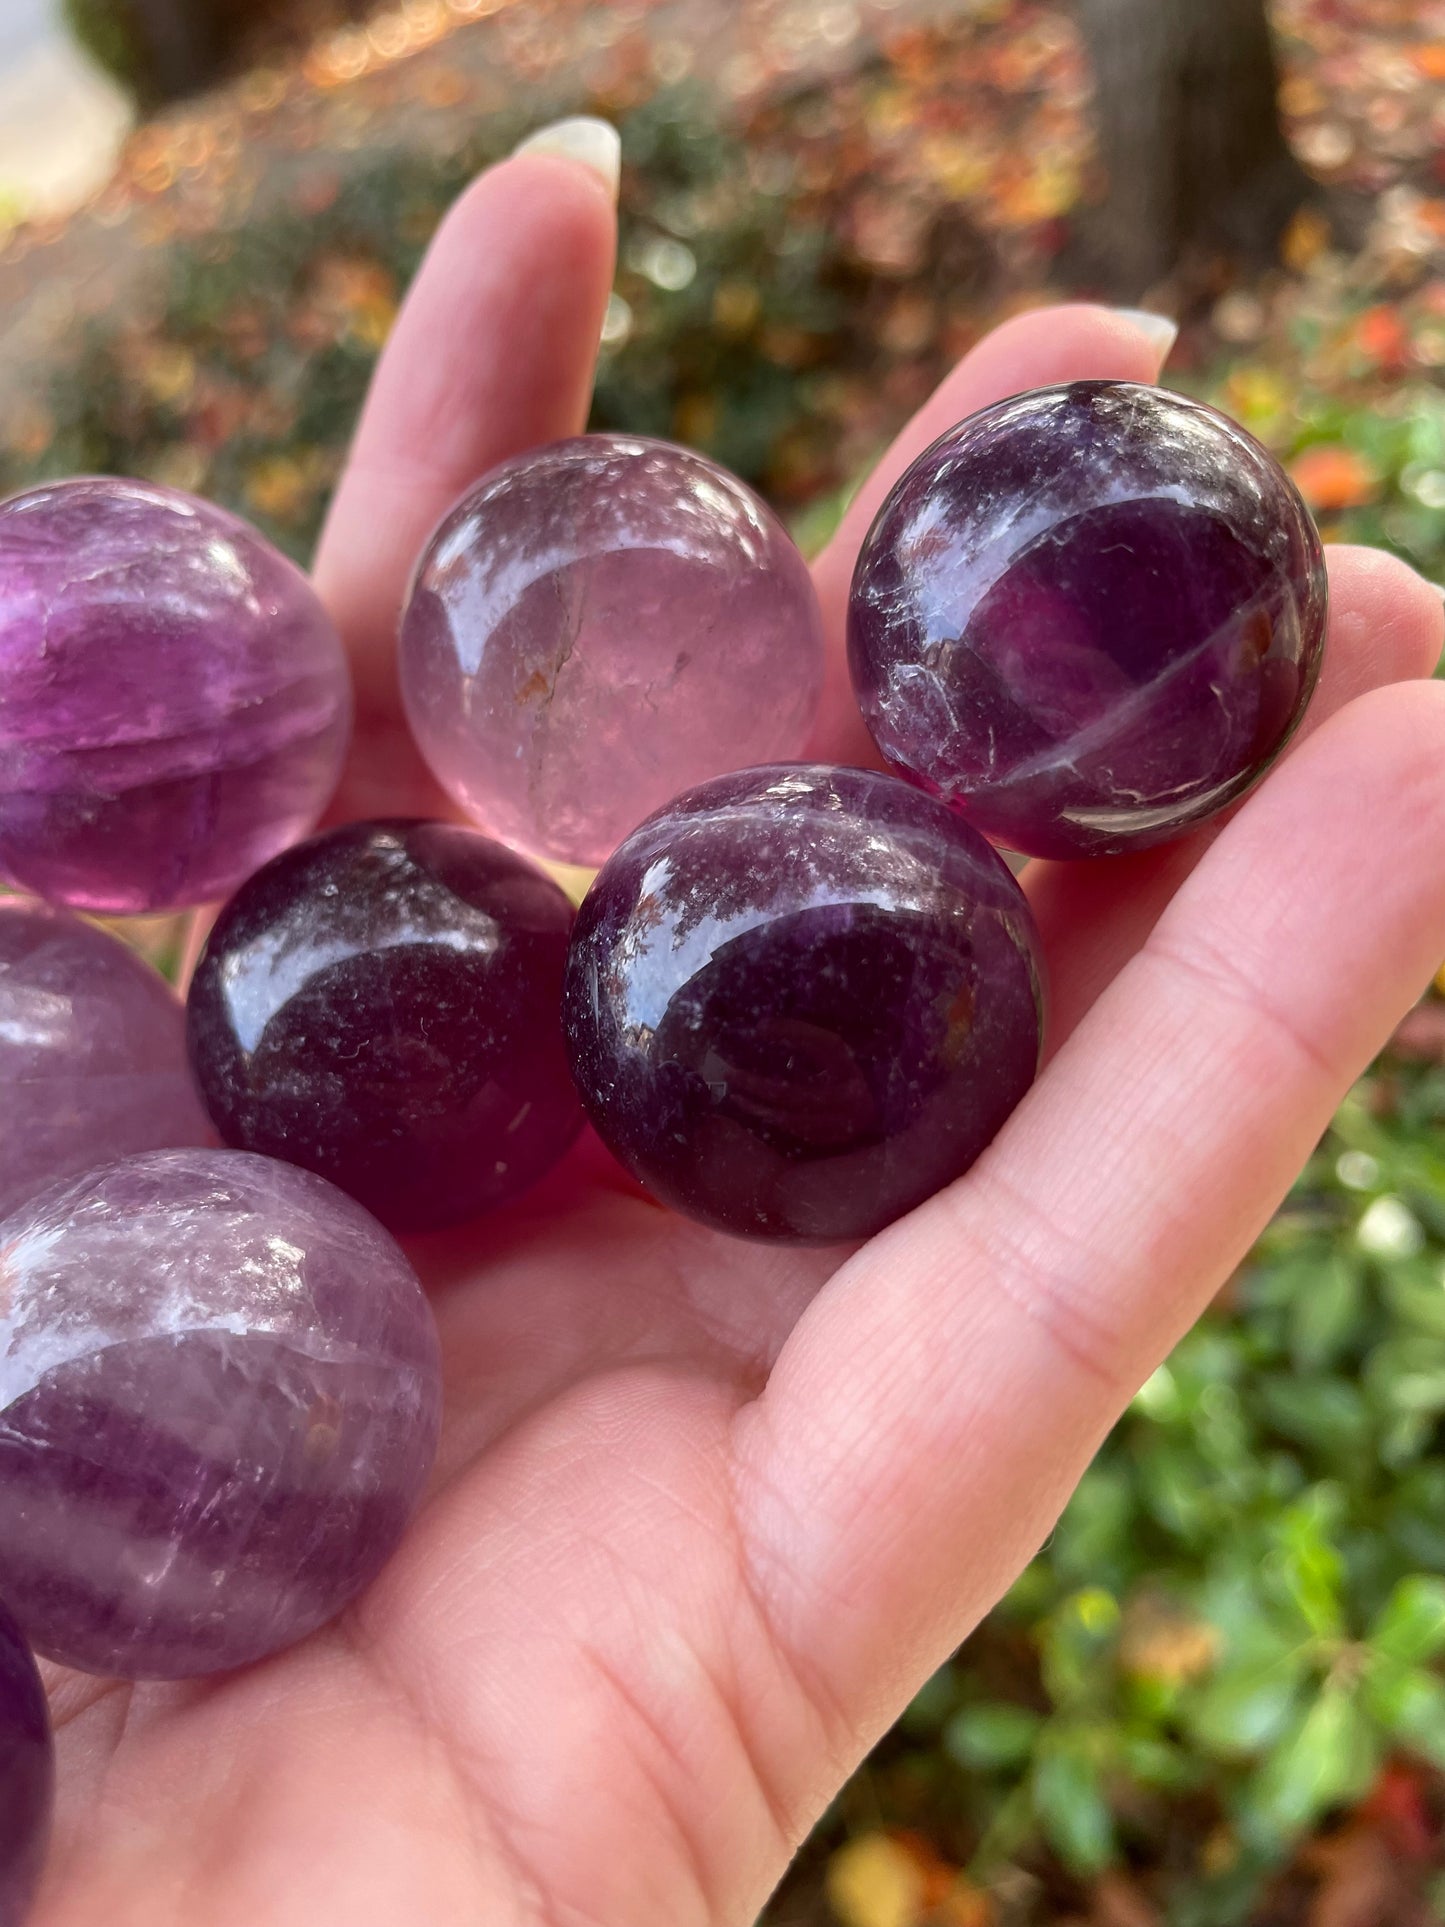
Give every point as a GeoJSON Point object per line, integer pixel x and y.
{"type": "Point", "coordinates": [900, 1880]}
{"type": "Point", "coordinates": [939, 1877]}
{"type": "Point", "coordinates": [965, 1906]}
{"type": "Point", "coordinates": [1331, 477]}
{"type": "Point", "coordinates": [874, 1881]}
{"type": "Point", "coordinates": [1430, 59]}
{"type": "Point", "coordinates": [1382, 335]}
{"type": "Point", "coordinates": [1161, 1643]}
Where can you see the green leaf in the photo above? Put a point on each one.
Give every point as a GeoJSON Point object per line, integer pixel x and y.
{"type": "Point", "coordinates": [1422, 1392]}
{"type": "Point", "coordinates": [1174, 1484]}
{"type": "Point", "coordinates": [1407, 1374]}
{"type": "Point", "coordinates": [1069, 1800]}
{"type": "Point", "coordinates": [1246, 1710]}
{"type": "Point", "coordinates": [1093, 1539]}
{"type": "Point", "coordinates": [1411, 1625]}
{"type": "Point", "coordinates": [1281, 1284]}
{"type": "Point", "coordinates": [1405, 1439]}
{"type": "Point", "coordinates": [1075, 1645]}
{"type": "Point", "coordinates": [1327, 1414]}
{"type": "Point", "coordinates": [1410, 1704]}
{"type": "Point", "coordinates": [1306, 1564]}
{"type": "Point", "coordinates": [1234, 1598]}
{"type": "Point", "coordinates": [932, 1703]}
{"type": "Point", "coordinates": [1031, 1594]}
{"type": "Point", "coordinates": [1328, 1760]}
{"type": "Point", "coordinates": [1155, 1763]}
{"type": "Point", "coordinates": [1413, 1294]}
{"type": "Point", "coordinates": [1414, 1515]}
{"type": "Point", "coordinates": [993, 1737]}
{"type": "Point", "coordinates": [1325, 1312]}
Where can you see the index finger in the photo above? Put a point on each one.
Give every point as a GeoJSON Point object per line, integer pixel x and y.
{"type": "Point", "coordinates": [934, 1406]}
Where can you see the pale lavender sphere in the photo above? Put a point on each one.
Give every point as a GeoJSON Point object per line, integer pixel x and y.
{"type": "Point", "coordinates": [597, 625]}
{"type": "Point", "coordinates": [92, 1052]}
{"type": "Point", "coordinates": [220, 1393]}
{"type": "Point", "coordinates": [174, 700]}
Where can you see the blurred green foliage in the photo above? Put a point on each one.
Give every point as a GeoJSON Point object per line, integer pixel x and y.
{"type": "Point", "coordinates": [1239, 1617]}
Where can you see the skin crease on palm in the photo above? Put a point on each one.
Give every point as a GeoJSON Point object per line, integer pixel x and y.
{"type": "Point", "coordinates": [708, 1512]}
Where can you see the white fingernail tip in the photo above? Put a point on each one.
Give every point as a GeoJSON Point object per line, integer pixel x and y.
{"type": "Point", "coordinates": [1157, 329]}
{"type": "Point", "coordinates": [583, 138]}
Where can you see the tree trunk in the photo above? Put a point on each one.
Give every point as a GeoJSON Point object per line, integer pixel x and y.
{"type": "Point", "coordinates": [180, 44]}
{"type": "Point", "coordinates": [1187, 113]}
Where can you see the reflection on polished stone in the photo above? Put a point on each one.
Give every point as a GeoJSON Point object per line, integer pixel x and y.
{"type": "Point", "coordinates": [800, 999]}
{"type": "Point", "coordinates": [1088, 617]}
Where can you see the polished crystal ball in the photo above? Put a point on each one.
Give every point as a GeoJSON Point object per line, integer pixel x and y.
{"type": "Point", "coordinates": [92, 1053]}
{"type": "Point", "coordinates": [801, 999]}
{"type": "Point", "coordinates": [174, 702]}
{"type": "Point", "coordinates": [382, 1005]}
{"type": "Point", "coordinates": [597, 624]}
{"type": "Point", "coordinates": [219, 1400]}
{"type": "Point", "coordinates": [27, 1774]}
{"type": "Point", "coordinates": [1088, 617]}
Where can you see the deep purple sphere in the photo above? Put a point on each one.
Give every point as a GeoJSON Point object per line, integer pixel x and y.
{"type": "Point", "coordinates": [598, 623]}
{"type": "Point", "coordinates": [92, 1052]}
{"type": "Point", "coordinates": [800, 999]}
{"type": "Point", "coordinates": [1088, 617]}
{"type": "Point", "coordinates": [382, 1005]}
{"type": "Point", "coordinates": [27, 1774]}
{"type": "Point", "coordinates": [174, 701]}
{"type": "Point", "coordinates": [220, 1390]}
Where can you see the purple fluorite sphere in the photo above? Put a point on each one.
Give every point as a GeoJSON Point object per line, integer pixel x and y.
{"type": "Point", "coordinates": [801, 999]}
{"type": "Point", "coordinates": [219, 1400]}
{"type": "Point", "coordinates": [174, 702]}
{"type": "Point", "coordinates": [597, 624]}
{"type": "Point", "coordinates": [92, 1052]}
{"type": "Point", "coordinates": [1088, 617]}
{"type": "Point", "coordinates": [27, 1774]}
{"type": "Point", "coordinates": [382, 1005]}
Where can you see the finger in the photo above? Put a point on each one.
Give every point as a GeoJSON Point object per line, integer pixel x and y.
{"type": "Point", "coordinates": [1386, 625]}
{"type": "Point", "coordinates": [935, 1405]}
{"type": "Point", "coordinates": [493, 352]}
{"type": "Point", "coordinates": [1078, 342]}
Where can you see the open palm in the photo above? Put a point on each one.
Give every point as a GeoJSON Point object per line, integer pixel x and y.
{"type": "Point", "coordinates": [708, 1512]}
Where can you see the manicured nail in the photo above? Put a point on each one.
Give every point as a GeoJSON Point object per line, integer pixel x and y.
{"type": "Point", "coordinates": [1157, 329]}
{"type": "Point", "coordinates": [590, 142]}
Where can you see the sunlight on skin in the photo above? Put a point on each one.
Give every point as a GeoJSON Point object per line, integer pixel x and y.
{"type": "Point", "coordinates": [660, 1602]}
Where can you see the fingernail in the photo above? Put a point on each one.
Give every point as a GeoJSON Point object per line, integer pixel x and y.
{"type": "Point", "coordinates": [590, 142]}
{"type": "Point", "coordinates": [1157, 329]}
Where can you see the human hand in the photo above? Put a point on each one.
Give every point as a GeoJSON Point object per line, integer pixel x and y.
{"type": "Point", "coordinates": [708, 1512]}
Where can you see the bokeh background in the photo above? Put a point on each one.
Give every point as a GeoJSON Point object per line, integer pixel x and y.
{"type": "Point", "coordinates": [1217, 1694]}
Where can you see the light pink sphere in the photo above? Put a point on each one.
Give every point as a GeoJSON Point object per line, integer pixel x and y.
{"type": "Point", "coordinates": [597, 625]}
